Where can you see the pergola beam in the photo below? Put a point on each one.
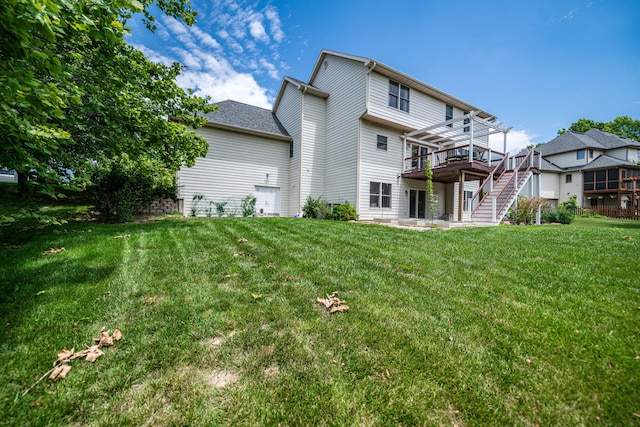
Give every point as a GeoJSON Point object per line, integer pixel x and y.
{"type": "Point", "coordinates": [470, 115]}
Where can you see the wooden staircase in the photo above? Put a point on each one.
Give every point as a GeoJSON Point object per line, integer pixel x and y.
{"type": "Point", "coordinates": [496, 195]}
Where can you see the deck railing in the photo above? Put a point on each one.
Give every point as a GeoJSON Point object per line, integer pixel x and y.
{"type": "Point", "coordinates": [610, 212]}
{"type": "Point", "coordinates": [459, 154]}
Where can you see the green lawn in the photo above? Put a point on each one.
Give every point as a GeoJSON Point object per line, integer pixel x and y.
{"type": "Point", "coordinates": [478, 326]}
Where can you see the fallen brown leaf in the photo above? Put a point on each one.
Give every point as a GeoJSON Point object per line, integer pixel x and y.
{"type": "Point", "coordinates": [117, 335]}
{"type": "Point", "coordinates": [53, 251]}
{"type": "Point", "coordinates": [333, 303]}
{"type": "Point", "coordinates": [36, 403]}
{"type": "Point", "coordinates": [242, 240]}
{"type": "Point", "coordinates": [339, 309]}
{"type": "Point", "coordinates": [63, 355]}
{"type": "Point", "coordinates": [105, 340]}
{"type": "Point", "coordinates": [60, 371]}
{"type": "Point", "coordinates": [94, 354]}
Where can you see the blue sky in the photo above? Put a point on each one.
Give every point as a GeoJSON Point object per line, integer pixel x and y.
{"type": "Point", "coordinates": [537, 65]}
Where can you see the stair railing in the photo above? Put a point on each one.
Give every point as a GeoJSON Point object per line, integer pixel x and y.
{"type": "Point", "coordinates": [482, 192]}
{"type": "Point", "coordinates": [523, 165]}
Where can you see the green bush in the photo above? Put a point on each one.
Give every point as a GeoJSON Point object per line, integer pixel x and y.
{"type": "Point", "coordinates": [248, 205]}
{"type": "Point", "coordinates": [343, 212]}
{"type": "Point", "coordinates": [315, 208]}
{"type": "Point", "coordinates": [220, 208]}
{"type": "Point", "coordinates": [121, 186]}
{"type": "Point", "coordinates": [563, 214]}
{"type": "Point", "coordinates": [525, 211]}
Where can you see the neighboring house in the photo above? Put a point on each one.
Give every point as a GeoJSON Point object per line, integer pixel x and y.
{"type": "Point", "coordinates": [594, 165]}
{"type": "Point", "coordinates": [359, 132]}
{"type": "Point", "coordinates": [8, 175]}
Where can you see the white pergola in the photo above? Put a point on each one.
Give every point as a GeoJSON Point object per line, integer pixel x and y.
{"type": "Point", "coordinates": [451, 133]}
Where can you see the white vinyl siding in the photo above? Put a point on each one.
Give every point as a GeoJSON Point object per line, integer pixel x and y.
{"type": "Point", "coordinates": [550, 184]}
{"type": "Point", "coordinates": [234, 165]}
{"type": "Point", "coordinates": [344, 79]}
{"type": "Point", "coordinates": [568, 159]}
{"type": "Point", "coordinates": [565, 190]}
{"type": "Point", "coordinates": [289, 114]}
{"type": "Point", "coordinates": [470, 186]}
{"type": "Point", "coordinates": [425, 110]}
{"type": "Point", "coordinates": [313, 147]}
{"type": "Point", "coordinates": [380, 166]}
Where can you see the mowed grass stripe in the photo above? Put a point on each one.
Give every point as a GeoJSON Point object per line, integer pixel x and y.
{"type": "Point", "coordinates": [440, 328]}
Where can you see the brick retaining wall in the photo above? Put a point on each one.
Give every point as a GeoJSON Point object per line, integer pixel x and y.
{"type": "Point", "coordinates": [162, 206]}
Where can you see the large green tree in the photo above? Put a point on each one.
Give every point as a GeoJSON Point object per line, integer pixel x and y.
{"type": "Point", "coordinates": [73, 92]}
{"type": "Point", "coordinates": [623, 126]}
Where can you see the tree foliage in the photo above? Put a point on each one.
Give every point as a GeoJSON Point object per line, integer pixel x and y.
{"type": "Point", "coordinates": [73, 93]}
{"type": "Point", "coordinates": [623, 126]}
{"type": "Point", "coordinates": [432, 201]}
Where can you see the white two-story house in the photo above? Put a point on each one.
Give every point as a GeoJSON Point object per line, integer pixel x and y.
{"type": "Point", "coordinates": [595, 166]}
{"type": "Point", "coordinates": [359, 132]}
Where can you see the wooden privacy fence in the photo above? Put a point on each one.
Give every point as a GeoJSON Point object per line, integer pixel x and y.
{"type": "Point", "coordinates": [610, 212]}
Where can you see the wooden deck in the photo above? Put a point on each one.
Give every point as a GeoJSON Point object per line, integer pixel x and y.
{"type": "Point", "coordinates": [451, 172]}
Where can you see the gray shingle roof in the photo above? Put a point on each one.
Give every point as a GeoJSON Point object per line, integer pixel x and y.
{"type": "Point", "coordinates": [237, 114]}
{"type": "Point", "coordinates": [603, 161]}
{"type": "Point", "coordinates": [593, 138]}
{"type": "Point", "coordinates": [568, 141]}
{"type": "Point", "coordinates": [550, 167]}
{"type": "Point", "coordinates": [609, 140]}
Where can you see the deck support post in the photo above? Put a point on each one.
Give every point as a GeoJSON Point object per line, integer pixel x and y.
{"type": "Point", "coordinates": [460, 193]}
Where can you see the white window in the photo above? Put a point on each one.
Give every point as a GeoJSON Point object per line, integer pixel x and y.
{"type": "Point", "coordinates": [382, 143]}
{"type": "Point", "coordinates": [466, 200]}
{"type": "Point", "coordinates": [398, 96]}
{"type": "Point", "coordinates": [448, 114]}
{"type": "Point", "coordinates": [379, 195]}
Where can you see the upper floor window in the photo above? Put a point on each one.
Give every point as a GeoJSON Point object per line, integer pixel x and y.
{"type": "Point", "coordinates": [590, 153]}
{"type": "Point", "coordinates": [290, 149]}
{"type": "Point", "coordinates": [568, 178]}
{"type": "Point", "coordinates": [580, 154]}
{"type": "Point", "coordinates": [382, 143]}
{"type": "Point", "coordinates": [448, 114]}
{"type": "Point", "coordinates": [398, 96]}
{"type": "Point", "coordinates": [466, 128]}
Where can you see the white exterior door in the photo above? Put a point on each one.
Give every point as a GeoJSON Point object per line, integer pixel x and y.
{"type": "Point", "coordinates": [267, 200]}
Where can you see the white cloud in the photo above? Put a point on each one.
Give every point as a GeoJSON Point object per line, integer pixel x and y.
{"type": "Point", "coordinates": [274, 22]}
{"type": "Point", "coordinates": [205, 38]}
{"type": "Point", "coordinates": [240, 87]}
{"type": "Point", "coordinates": [258, 32]}
{"type": "Point", "coordinates": [517, 140]}
{"type": "Point", "coordinates": [188, 58]}
{"type": "Point", "coordinates": [231, 53]}
{"type": "Point", "coordinates": [270, 68]}
{"type": "Point", "coordinates": [153, 55]}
